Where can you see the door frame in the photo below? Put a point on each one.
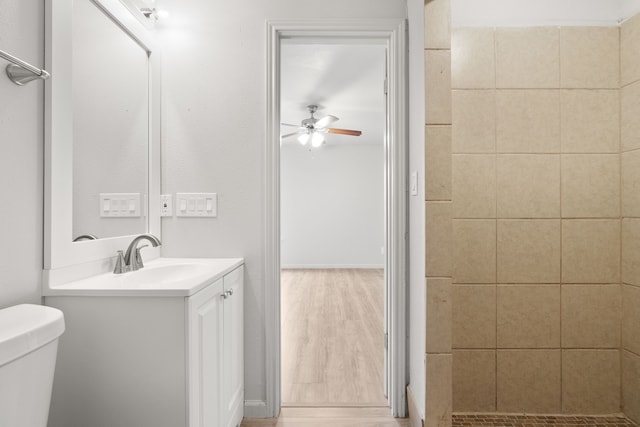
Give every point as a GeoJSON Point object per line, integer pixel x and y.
{"type": "Point", "coordinates": [392, 32]}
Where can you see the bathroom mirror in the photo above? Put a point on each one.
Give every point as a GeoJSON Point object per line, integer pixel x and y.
{"type": "Point", "coordinates": [102, 131]}
{"type": "Point", "coordinates": [110, 104]}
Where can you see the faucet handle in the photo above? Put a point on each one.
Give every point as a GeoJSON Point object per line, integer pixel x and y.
{"type": "Point", "coordinates": [136, 262]}
{"type": "Point", "coordinates": [120, 264]}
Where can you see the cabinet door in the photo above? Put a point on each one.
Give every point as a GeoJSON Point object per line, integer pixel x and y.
{"type": "Point", "coordinates": [233, 358]}
{"type": "Point", "coordinates": [205, 357]}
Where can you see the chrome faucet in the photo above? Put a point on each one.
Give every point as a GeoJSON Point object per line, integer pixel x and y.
{"type": "Point", "coordinates": [132, 260]}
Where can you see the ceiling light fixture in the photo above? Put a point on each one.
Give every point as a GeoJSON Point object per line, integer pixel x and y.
{"type": "Point", "coordinates": [316, 140]}
{"type": "Point", "coordinates": [304, 138]}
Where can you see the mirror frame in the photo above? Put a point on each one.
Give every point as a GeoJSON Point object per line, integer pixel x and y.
{"type": "Point", "coordinates": [60, 253]}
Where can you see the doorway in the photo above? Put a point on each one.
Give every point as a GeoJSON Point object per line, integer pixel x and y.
{"type": "Point", "coordinates": [332, 223]}
{"type": "Point", "coordinates": [390, 34]}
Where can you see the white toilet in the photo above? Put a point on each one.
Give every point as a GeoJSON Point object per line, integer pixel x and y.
{"type": "Point", "coordinates": [28, 345]}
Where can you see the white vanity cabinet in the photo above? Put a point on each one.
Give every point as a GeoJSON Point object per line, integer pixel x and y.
{"type": "Point", "coordinates": [156, 360]}
{"type": "Point", "coordinates": [216, 396]}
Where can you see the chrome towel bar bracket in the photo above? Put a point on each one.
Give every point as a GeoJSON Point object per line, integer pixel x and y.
{"type": "Point", "coordinates": [21, 72]}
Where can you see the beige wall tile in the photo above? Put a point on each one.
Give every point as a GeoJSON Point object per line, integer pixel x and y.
{"type": "Point", "coordinates": [590, 121]}
{"type": "Point", "coordinates": [474, 121]}
{"type": "Point", "coordinates": [590, 381]}
{"type": "Point", "coordinates": [631, 251]}
{"type": "Point", "coordinates": [527, 57]}
{"type": "Point", "coordinates": [528, 121]}
{"type": "Point", "coordinates": [438, 396]}
{"type": "Point", "coordinates": [438, 241]}
{"type": "Point", "coordinates": [629, 48]}
{"type": "Point", "coordinates": [473, 58]}
{"type": "Point", "coordinates": [528, 185]}
{"type": "Point", "coordinates": [529, 381]}
{"type": "Point", "coordinates": [528, 316]}
{"type": "Point", "coordinates": [589, 57]}
{"type": "Point", "coordinates": [629, 113]}
{"type": "Point", "coordinates": [438, 87]}
{"type": "Point", "coordinates": [437, 19]}
{"type": "Point", "coordinates": [631, 318]}
{"type": "Point", "coordinates": [591, 316]}
{"type": "Point", "coordinates": [529, 251]}
{"type": "Point", "coordinates": [474, 380]}
{"type": "Point", "coordinates": [438, 315]}
{"type": "Point", "coordinates": [630, 385]}
{"type": "Point", "coordinates": [591, 185]}
{"type": "Point", "coordinates": [474, 185]}
{"type": "Point", "coordinates": [590, 251]}
{"type": "Point", "coordinates": [631, 184]}
{"type": "Point", "coordinates": [474, 316]}
{"type": "Point", "coordinates": [474, 258]}
{"type": "Point", "coordinates": [438, 162]}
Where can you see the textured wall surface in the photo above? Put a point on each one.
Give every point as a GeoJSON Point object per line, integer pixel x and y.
{"type": "Point", "coordinates": [437, 56]}
{"type": "Point", "coordinates": [536, 298]}
{"type": "Point", "coordinates": [21, 161]}
{"type": "Point", "coordinates": [630, 147]}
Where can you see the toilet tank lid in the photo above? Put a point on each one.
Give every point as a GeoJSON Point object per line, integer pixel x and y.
{"type": "Point", "coordinates": [27, 327]}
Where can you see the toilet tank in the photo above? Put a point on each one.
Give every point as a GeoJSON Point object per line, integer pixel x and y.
{"type": "Point", "coordinates": [28, 346]}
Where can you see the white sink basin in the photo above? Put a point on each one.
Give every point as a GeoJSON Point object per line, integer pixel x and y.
{"type": "Point", "coordinates": [162, 276]}
{"type": "Point", "coordinates": [157, 274]}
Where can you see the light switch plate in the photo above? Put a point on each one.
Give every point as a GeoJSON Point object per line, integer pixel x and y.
{"type": "Point", "coordinates": [196, 204]}
{"type": "Point", "coordinates": [414, 183]}
{"type": "Point", "coordinates": [120, 205]}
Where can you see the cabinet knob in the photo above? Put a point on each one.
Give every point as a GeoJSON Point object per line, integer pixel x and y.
{"type": "Point", "coordinates": [227, 294]}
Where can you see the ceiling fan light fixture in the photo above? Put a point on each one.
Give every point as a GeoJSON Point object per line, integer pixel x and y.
{"type": "Point", "coordinates": [303, 139]}
{"type": "Point", "coordinates": [316, 140]}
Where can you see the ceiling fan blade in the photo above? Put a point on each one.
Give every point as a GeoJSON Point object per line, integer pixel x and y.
{"type": "Point", "coordinates": [289, 124]}
{"type": "Point", "coordinates": [345, 131]}
{"type": "Point", "coordinates": [289, 134]}
{"type": "Point", "coordinates": [326, 121]}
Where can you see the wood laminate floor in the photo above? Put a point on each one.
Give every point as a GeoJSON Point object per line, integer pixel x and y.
{"type": "Point", "coordinates": [332, 338]}
{"type": "Point", "coordinates": [334, 417]}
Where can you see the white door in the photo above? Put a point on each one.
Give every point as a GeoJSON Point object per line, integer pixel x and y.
{"type": "Point", "coordinates": [205, 355]}
{"type": "Point", "coordinates": [233, 356]}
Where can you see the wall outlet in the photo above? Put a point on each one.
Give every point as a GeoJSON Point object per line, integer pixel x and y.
{"type": "Point", "coordinates": [166, 205]}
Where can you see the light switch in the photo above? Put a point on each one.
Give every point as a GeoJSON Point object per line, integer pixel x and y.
{"type": "Point", "coordinates": [197, 204]}
{"type": "Point", "coordinates": [414, 183]}
{"type": "Point", "coordinates": [120, 205]}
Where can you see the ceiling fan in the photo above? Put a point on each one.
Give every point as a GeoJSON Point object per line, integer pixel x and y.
{"type": "Point", "coordinates": [311, 129]}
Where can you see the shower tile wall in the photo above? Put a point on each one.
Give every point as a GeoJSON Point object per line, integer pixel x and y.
{"type": "Point", "coordinates": [536, 294]}
{"type": "Point", "coordinates": [630, 94]}
{"type": "Point", "coordinates": [437, 55]}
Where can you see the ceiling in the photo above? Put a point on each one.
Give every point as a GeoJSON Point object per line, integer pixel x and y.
{"type": "Point", "coordinates": [343, 80]}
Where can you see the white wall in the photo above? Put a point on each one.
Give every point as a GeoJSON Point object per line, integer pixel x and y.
{"type": "Point", "coordinates": [332, 206]}
{"type": "Point", "coordinates": [520, 13]}
{"type": "Point", "coordinates": [21, 158]}
{"type": "Point", "coordinates": [214, 112]}
{"type": "Point", "coordinates": [417, 282]}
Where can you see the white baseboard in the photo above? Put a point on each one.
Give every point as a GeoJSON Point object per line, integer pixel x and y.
{"type": "Point", "coordinates": [326, 266]}
{"type": "Point", "coordinates": [415, 417]}
{"type": "Point", "coordinates": [255, 409]}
